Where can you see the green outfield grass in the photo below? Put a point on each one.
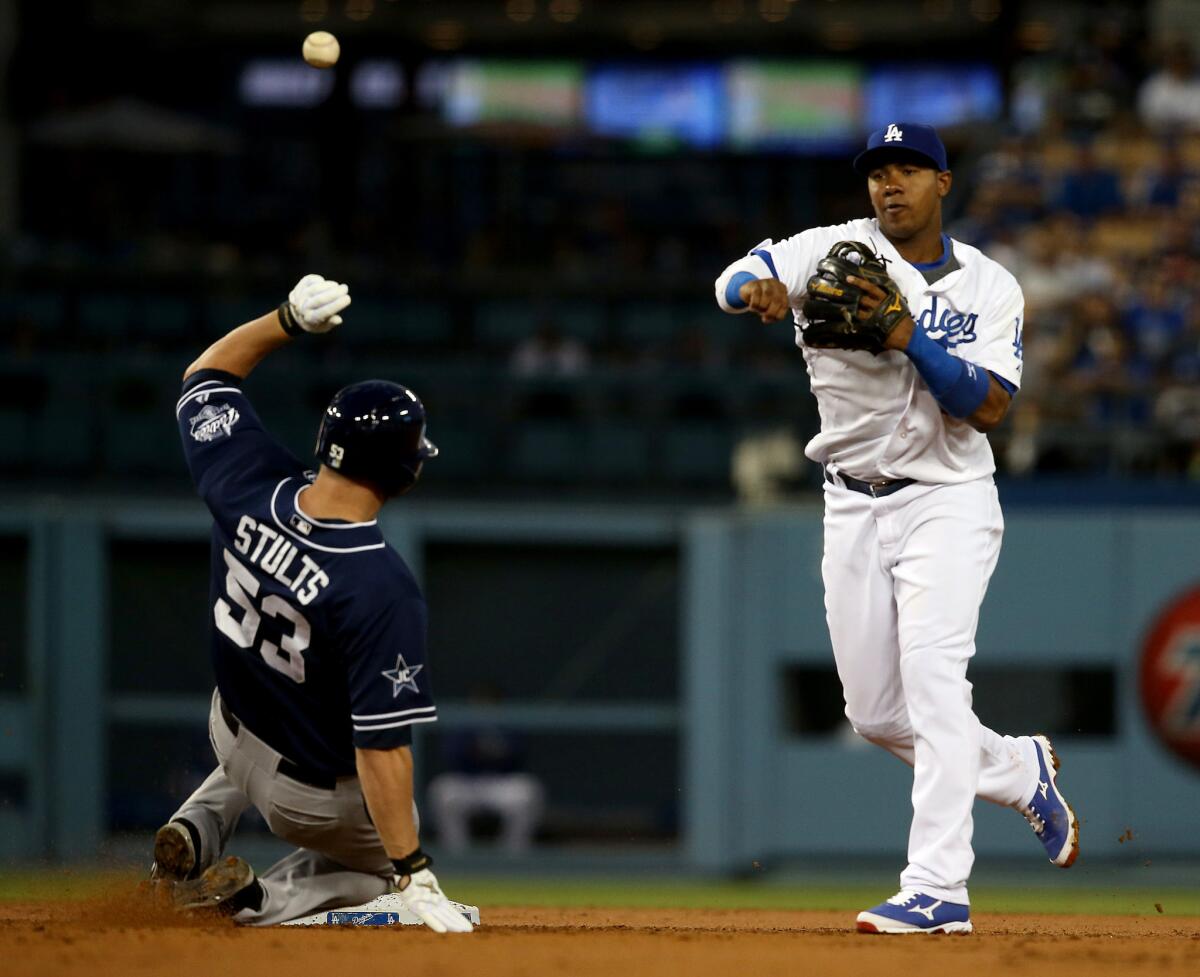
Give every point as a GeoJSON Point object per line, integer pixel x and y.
{"type": "Point", "coordinates": [683, 894]}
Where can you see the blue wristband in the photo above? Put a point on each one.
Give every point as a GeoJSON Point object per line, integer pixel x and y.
{"type": "Point", "coordinates": [732, 298]}
{"type": "Point", "coordinates": [958, 385]}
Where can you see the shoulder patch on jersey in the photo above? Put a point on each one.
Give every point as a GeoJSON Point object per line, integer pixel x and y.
{"type": "Point", "coordinates": [214, 421]}
{"type": "Point", "coordinates": [403, 676]}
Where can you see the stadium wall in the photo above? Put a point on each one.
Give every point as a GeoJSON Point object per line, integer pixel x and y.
{"type": "Point", "coordinates": [765, 769]}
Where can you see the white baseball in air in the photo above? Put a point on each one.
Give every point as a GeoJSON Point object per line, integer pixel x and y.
{"type": "Point", "coordinates": [321, 49]}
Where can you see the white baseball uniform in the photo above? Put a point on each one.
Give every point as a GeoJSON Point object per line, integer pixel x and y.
{"type": "Point", "coordinates": [905, 572]}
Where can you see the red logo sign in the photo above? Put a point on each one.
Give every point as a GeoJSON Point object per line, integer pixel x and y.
{"type": "Point", "coordinates": [1169, 677]}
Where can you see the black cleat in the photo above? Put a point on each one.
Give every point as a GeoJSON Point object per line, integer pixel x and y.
{"type": "Point", "coordinates": [229, 885]}
{"type": "Point", "coordinates": [174, 853]}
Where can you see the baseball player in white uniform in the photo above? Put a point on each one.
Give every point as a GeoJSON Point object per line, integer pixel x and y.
{"type": "Point", "coordinates": [912, 518]}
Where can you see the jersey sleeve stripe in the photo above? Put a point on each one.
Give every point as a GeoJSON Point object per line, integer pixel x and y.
{"type": "Point", "coordinates": [767, 260]}
{"type": "Point", "coordinates": [200, 386]}
{"type": "Point", "coordinates": [404, 722]}
{"type": "Point", "coordinates": [375, 716]}
{"type": "Point", "coordinates": [200, 391]}
{"type": "Point", "coordinates": [191, 390]}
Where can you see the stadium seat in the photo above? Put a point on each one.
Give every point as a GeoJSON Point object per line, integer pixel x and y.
{"type": "Point", "coordinates": [466, 452]}
{"type": "Point", "coordinates": [547, 451]}
{"type": "Point", "coordinates": [504, 323]}
{"type": "Point", "coordinates": [397, 322]}
{"type": "Point", "coordinates": [67, 440]}
{"type": "Point", "coordinates": [223, 313]}
{"type": "Point", "coordinates": [67, 427]}
{"type": "Point", "coordinates": [617, 453]}
{"type": "Point", "coordinates": [283, 397]}
{"type": "Point", "coordinates": [167, 319]}
{"type": "Point", "coordinates": [23, 396]}
{"type": "Point", "coordinates": [582, 320]}
{"type": "Point", "coordinates": [547, 398]}
{"type": "Point", "coordinates": [139, 423]}
{"type": "Point", "coordinates": [720, 327]}
{"type": "Point", "coordinates": [16, 438]}
{"type": "Point", "coordinates": [42, 310]}
{"type": "Point", "coordinates": [697, 453]}
{"type": "Point", "coordinates": [507, 323]}
{"type": "Point", "coordinates": [108, 320]}
{"type": "Point", "coordinates": [648, 322]}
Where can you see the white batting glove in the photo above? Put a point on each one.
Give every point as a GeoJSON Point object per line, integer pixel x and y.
{"type": "Point", "coordinates": [315, 303]}
{"type": "Point", "coordinates": [424, 898]}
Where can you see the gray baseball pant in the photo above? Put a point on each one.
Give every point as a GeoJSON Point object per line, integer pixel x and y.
{"type": "Point", "coordinates": [339, 861]}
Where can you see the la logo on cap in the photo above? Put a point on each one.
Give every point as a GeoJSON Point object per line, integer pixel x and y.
{"type": "Point", "coordinates": [894, 134]}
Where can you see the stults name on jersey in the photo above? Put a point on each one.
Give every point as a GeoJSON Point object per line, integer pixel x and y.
{"type": "Point", "coordinates": [274, 555]}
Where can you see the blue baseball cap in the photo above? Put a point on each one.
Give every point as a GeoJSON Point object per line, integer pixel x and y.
{"type": "Point", "coordinates": [902, 139]}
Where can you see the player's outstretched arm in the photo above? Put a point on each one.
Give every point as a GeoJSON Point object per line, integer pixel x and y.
{"type": "Point", "coordinates": [312, 306]}
{"type": "Point", "coordinates": [387, 784]}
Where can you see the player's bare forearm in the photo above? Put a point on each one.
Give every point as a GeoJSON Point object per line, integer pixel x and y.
{"type": "Point", "coordinates": [240, 351]}
{"type": "Point", "coordinates": [899, 337]}
{"type": "Point", "coordinates": [387, 784]}
{"type": "Point", "coordinates": [993, 409]}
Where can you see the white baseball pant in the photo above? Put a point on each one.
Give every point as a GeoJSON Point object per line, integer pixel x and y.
{"type": "Point", "coordinates": [904, 578]}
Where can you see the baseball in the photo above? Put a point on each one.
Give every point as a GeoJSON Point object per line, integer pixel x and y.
{"type": "Point", "coordinates": [321, 49]}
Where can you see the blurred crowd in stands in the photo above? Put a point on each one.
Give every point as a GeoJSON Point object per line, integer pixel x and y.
{"type": "Point", "coordinates": [573, 287]}
{"type": "Point", "coordinates": [1097, 213]}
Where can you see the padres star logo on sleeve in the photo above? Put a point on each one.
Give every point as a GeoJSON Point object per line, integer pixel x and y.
{"type": "Point", "coordinates": [913, 347]}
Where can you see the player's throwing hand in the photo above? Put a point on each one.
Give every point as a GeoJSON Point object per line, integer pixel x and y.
{"type": "Point", "coordinates": [314, 304]}
{"type": "Point", "coordinates": [423, 897]}
{"type": "Point", "coordinates": [768, 297]}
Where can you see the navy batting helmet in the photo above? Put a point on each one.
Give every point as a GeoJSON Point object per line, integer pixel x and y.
{"type": "Point", "coordinates": [374, 432]}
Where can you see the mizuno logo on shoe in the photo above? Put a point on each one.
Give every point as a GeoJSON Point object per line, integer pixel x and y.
{"type": "Point", "coordinates": [1043, 789]}
{"type": "Point", "coordinates": [926, 911]}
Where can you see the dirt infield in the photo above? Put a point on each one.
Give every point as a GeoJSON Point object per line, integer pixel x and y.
{"type": "Point", "coordinates": [123, 936]}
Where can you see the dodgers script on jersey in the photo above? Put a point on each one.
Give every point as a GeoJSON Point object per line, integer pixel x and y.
{"type": "Point", "coordinates": [318, 637]}
{"type": "Point", "coordinates": [878, 418]}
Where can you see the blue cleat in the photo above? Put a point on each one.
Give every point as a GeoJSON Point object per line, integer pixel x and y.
{"type": "Point", "coordinates": [1048, 812]}
{"type": "Point", "coordinates": [909, 911]}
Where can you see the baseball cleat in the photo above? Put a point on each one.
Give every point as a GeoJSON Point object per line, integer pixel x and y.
{"type": "Point", "coordinates": [229, 885]}
{"type": "Point", "coordinates": [174, 853]}
{"type": "Point", "coordinates": [1048, 812]}
{"type": "Point", "coordinates": [909, 911]}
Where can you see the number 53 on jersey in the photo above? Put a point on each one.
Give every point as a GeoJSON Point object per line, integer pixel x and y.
{"type": "Point", "coordinates": [242, 587]}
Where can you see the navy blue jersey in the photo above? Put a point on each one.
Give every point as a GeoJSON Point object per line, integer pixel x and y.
{"type": "Point", "coordinates": [318, 637]}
